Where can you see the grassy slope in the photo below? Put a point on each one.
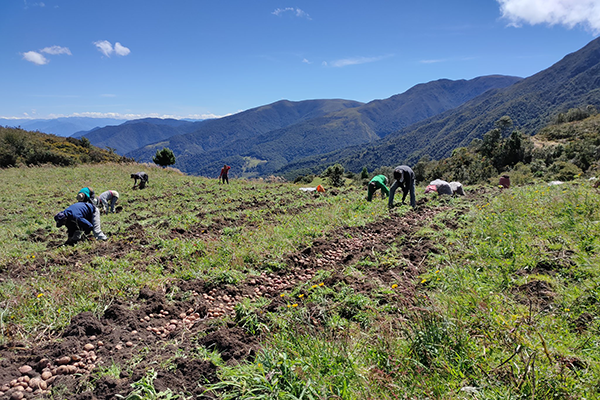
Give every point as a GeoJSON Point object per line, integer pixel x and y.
{"type": "Point", "coordinates": [504, 306]}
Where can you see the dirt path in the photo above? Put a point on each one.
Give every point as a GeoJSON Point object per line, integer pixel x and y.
{"type": "Point", "coordinates": [153, 332]}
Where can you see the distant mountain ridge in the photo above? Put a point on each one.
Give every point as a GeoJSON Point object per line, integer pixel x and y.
{"type": "Point", "coordinates": [64, 126]}
{"type": "Point", "coordinates": [572, 82]}
{"type": "Point", "coordinates": [318, 126]}
{"type": "Point", "coordinates": [219, 134]}
{"type": "Point", "coordinates": [134, 134]}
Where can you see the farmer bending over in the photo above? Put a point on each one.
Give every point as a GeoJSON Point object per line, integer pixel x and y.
{"type": "Point", "coordinates": [440, 187]}
{"type": "Point", "coordinates": [110, 196]}
{"type": "Point", "coordinates": [404, 178]}
{"type": "Point", "coordinates": [79, 219]}
{"type": "Point", "coordinates": [378, 182]}
{"type": "Point", "coordinates": [143, 177]}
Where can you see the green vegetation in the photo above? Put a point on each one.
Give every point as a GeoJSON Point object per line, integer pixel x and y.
{"type": "Point", "coordinates": [19, 147]}
{"type": "Point", "coordinates": [164, 157]}
{"type": "Point", "coordinates": [491, 296]}
{"type": "Point", "coordinates": [561, 151]}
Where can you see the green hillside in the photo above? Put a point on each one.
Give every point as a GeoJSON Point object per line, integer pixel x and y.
{"type": "Point", "coordinates": [20, 147]}
{"type": "Point", "coordinates": [259, 290]}
{"type": "Point", "coordinates": [283, 132]}
{"type": "Point", "coordinates": [531, 104]}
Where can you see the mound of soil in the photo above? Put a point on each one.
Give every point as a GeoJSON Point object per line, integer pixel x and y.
{"type": "Point", "coordinates": [143, 328]}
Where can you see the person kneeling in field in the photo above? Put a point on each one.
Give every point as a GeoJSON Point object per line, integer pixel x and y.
{"type": "Point", "coordinates": [378, 182]}
{"type": "Point", "coordinates": [79, 220]}
{"type": "Point", "coordinates": [110, 196]}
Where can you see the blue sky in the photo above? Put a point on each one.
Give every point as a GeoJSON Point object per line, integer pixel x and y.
{"type": "Point", "coordinates": [196, 59]}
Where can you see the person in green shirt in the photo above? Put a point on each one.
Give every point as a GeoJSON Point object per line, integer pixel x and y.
{"type": "Point", "coordinates": [378, 182]}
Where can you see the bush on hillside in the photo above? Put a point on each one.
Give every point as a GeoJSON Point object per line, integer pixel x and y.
{"type": "Point", "coordinates": [564, 171]}
{"type": "Point", "coordinates": [164, 157]}
{"type": "Point", "coordinates": [334, 175]}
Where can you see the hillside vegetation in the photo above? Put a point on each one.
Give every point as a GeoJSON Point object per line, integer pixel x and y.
{"type": "Point", "coordinates": [20, 147]}
{"type": "Point", "coordinates": [531, 104]}
{"type": "Point", "coordinates": [256, 290]}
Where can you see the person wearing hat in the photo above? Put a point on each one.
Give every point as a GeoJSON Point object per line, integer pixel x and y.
{"type": "Point", "coordinates": [110, 196]}
{"type": "Point", "coordinates": [79, 220]}
{"type": "Point", "coordinates": [143, 178]}
{"type": "Point", "coordinates": [86, 195]}
{"type": "Point", "coordinates": [378, 182]}
{"type": "Point", "coordinates": [404, 178]}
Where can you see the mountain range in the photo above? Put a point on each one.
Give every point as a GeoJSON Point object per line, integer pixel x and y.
{"type": "Point", "coordinates": [531, 103]}
{"type": "Point", "coordinates": [264, 139]}
{"type": "Point", "coordinates": [289, 138]}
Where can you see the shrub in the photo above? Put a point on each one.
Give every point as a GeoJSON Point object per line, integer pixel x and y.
{"type": "Point", "coordinates": [335, 175]}
{"type": "Point", "coordinates": [164, 157]}
{"type": "Point", "coordinates": [564, 171]}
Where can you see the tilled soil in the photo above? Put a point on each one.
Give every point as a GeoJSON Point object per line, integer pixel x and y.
{"type": "Point", "coordinates": [153, 333]}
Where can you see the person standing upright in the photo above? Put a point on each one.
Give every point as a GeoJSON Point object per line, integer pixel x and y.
{"type": "Point", "coordinates": [224, 174]}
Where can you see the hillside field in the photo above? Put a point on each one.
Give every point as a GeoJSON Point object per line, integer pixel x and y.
{"type": "Point", "coordinates": [256, 290]}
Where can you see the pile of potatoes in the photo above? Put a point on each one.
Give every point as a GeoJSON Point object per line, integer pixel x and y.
{"type": "Point", "coordinates": [36, 380]}
{"type": "Point", "coordinates": [186, 320]}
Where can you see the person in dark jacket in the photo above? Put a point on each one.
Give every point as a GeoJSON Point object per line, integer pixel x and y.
{"type": "Point", "coordinates": [143, 178]}
{"type": "Point", "coordinates": [378, 182]}
{"type": "Point", "coordinates": [79, 220]}
{"type": "Point", "coordinates": [404, 178]}
{"type": "Point", "coordinates": [224, 171]}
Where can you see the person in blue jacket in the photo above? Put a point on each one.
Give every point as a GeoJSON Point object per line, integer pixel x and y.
{"type": "Point", "coordinates": [79, 220]}
{"type": "Point", "coordinates": [404, 178]}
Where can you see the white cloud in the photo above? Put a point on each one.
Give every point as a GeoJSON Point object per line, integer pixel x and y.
{"type": "Point", "coordinates": [305, 61]}
{"type": "Point", "coordinates": [54, 50]}
{"type": "Point", "coordinates": [432, 61]}
{"type": "Point", "coordinates": [296, 11]}
{"type": "Point", "coordinates": [106, 48]}
{"type": "Point", "coordinates": [35, 57]}
{"type": "Point", "coordinates": [27, 5]}
{"type": "Point", "coordinates": [353, 61]}
{"type": "Point", "coordinates": [117, 115]}
{"type": "Point", "coordinates": [553, 12]}
{"type": "Point", "coordinates": [121, 50]}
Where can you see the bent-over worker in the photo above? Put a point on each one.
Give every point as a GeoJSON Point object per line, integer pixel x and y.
{"type": "Point", "coordinates": [378, 182]}
{"type": "Point", "coordinates": [439, 186]}
{"type": "Point", "coordinates": [142, 177]}
{"type": "Point", "coordinates": [404, 178]}
{"type": "Point", "coordinates": [110, 196]}
{"type": "Point", "coordinates": [79, 219]}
